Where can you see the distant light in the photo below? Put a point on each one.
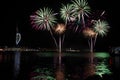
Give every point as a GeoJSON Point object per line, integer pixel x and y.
{"type": "Point", "coordinates": [1, 49]}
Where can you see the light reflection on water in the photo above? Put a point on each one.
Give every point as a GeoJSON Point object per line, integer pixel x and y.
{"type": "Point", "coordinates": [102, 65]}
{"type": "Point", "coordinates": [77, 66]}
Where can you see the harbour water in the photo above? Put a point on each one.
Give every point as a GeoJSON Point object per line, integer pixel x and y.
{"type": "Point", "coordinates": [44, 66]}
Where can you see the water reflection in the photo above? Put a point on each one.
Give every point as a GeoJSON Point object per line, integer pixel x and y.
{"type": "Point", "coordinates": [101, 69]}
{"type": "Point", "coordinates": [74, 66]}
{"type": "Point", "coordinates": [102, 65]}
{"type": "Point", "coordinates": [16, 64]}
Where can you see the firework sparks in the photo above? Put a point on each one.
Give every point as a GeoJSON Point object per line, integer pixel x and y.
{"type": "Point", "coordinates": [81, 8]}
{"type": "Point", "coordinates": [89, 32]}
{"type": "Point", "coordinates": [60, 28]}
{"type": "Point", "coordinates": [43, 19]}
{"type": "Point", "coordinates": [67, 12]}
{"type": "Point", "coordinates": [101, 27]}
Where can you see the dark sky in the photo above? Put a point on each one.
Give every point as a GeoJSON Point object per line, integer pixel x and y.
{"type": "Point", "coordinates": [17, 13]}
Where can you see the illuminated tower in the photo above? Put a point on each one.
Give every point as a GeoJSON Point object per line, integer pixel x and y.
{"type": "Point", "coordinates": [18, 36]}
{"type": "Point", "coordinates": [17, 56]}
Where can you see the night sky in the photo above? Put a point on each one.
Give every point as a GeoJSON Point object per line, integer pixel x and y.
{"type": "Point", "coordinates": [17, 13]}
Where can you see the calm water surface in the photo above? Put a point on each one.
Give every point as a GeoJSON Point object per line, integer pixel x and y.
{"type": "Point", "coordinates": [44, 66]}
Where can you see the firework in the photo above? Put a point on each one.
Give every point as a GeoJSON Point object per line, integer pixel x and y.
{"type": "Point", "coordinates": [60, 28]}
{"type": "Point", "coordinates": [89, 32]}
{"type": "Point", "coordinates": [101, 27]}
{"type": "Point", "coordinates": [67, 13]}
{"type": "Point", "coordinates": [81, 8]}
{"type": "Point", "coordinates": [43, 19]}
